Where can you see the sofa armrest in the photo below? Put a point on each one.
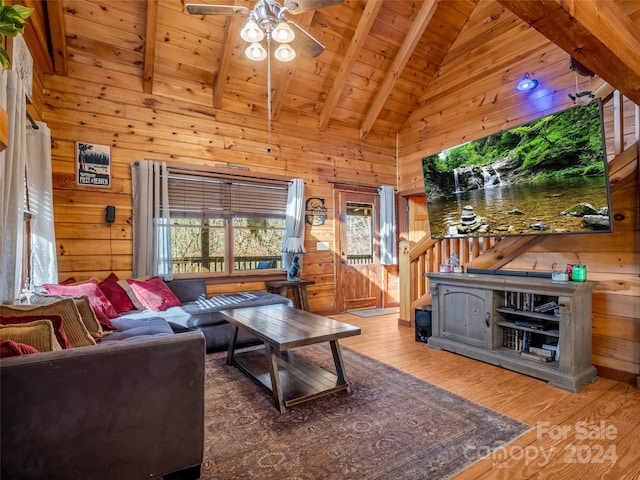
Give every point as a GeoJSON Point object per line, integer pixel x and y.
{"type": "Point", "coordinates": [120, 410]}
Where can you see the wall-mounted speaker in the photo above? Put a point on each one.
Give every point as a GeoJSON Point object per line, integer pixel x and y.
{"type": "Point", "coordinates": [111, 213]}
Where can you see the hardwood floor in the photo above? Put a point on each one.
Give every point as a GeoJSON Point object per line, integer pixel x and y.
{"type": "Point", "coordinates": [588, 435]}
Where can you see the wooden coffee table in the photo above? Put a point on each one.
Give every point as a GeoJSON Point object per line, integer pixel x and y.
{"type": "Point", "coordinates": [290, 377]}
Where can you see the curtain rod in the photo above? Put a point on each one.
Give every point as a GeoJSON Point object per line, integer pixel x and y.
{"type": "Point", "coordinates": [355, 185]}
{"type": "Point", "coordinates": [33, 123]}
{"type": "Point", "coordinates": [231, 173]}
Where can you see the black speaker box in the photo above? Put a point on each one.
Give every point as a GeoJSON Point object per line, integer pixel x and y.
{"type": "Point", "coordinates": [111, 213]}
{"type": "Point", "coordinates": [423, 324]}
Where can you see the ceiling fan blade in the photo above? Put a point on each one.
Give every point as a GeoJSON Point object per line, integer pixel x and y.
{"type": "Point", "coordinates": [305, 41]}
{"type": "Point", "coordinates": [201, 9]}
{"type": "Point", "coordinates": [300, 6]}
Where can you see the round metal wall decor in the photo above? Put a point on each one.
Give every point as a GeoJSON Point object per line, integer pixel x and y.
{"type": "Point", "coordinates": [316, 212]}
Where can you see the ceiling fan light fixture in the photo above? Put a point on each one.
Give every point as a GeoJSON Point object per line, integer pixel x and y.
{"type": "Point", "coordinates": [526, 84]}
{"type": "Point", "coordinates": [256, 52]}
{"type": "Point", "coordinates": [251, 32]}
{"type": "Point", "coordinates": [283, 32]}
{"type": "Point", "coordinates": [285, 53]}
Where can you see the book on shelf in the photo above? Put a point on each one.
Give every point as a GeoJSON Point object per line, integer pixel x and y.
{"type": "Point", "coordinates": [514, 300]}
{"type": "Point", "coordinates": [534, 356]}
{"type": "Point", "coordinates": [515, 339]}
{"type": "Point", "coordinates": [529, 302]}
{"type": "Point", "coordinates": [542, 352]}
{"type": "Point", "coordinates": [508, 338]}
{"type": "Point", "coordinates": [554, 347]}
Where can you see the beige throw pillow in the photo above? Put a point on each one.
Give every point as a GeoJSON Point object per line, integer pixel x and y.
{"type": "Point", "coordinates": [132, 296]}
{"type": "Point", "coordinates": [77, 333]}
{"type": "Point", "coordinates": [39, 334]}
{"type": "Point", "coordinates": [87, 314]}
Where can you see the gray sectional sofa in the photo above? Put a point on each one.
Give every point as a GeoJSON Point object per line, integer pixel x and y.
{"type": "Point", "coordinates": [116, 410]}
{"type": "Point", "coordinates": [130, 407]}
{"type": "Point", "coordinates": [202, 314]}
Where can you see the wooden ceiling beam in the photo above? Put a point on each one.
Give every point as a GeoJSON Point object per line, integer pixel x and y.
{"type": "Point", "coordinates": [277, 100]}
{"type": "Point", "coordinates": [351, 57]}
{"type": "Point", "coordinates": [150, 45]}
{"type": "Point", "coordinates": [36, 36]}
{"type": "Point", "coordinates": [231, 32]}
{"type": "Point", "coordinates": [229, 52]}
{"type": "Point", "coordinates": [597, 34]}
{"type": "Point", "coordinates": [55, 15]}
{"type": "Point", "coordinates": [400, 61]}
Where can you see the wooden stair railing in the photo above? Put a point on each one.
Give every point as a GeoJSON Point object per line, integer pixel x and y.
{"type": "Point", "coordinates": [426, 256]}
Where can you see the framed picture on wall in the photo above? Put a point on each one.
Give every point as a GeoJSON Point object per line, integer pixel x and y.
{"type": "Point", "coordinates": [93, 165]}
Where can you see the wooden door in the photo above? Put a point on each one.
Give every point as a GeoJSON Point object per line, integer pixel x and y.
{"type": "Point", "coordinates": [358, 272]}
{"type": "Point", "coordinates": [418, 218]}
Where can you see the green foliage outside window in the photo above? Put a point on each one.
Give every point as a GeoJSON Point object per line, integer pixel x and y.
{"type": "Point", "coordinates": [199, 245]}
{"type": "Point", "coordinates": [257, 236]}
{"type": "Point", "coordinates": [567, 144]}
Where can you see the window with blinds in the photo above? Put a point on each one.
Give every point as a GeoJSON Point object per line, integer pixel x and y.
{"type": "Point", "coordinates": [206, 197]}
{"type": "Point", "coordinates": [225, 225]}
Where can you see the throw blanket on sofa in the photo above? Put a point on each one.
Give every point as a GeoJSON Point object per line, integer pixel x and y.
{"type": "Point", "coordinates": [231, 300]}
{"type": "Point", "coordinates": [203, 312]}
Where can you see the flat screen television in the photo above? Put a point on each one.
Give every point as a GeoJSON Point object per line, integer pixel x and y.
{"type": "Point", "coordinates": [547, 176]}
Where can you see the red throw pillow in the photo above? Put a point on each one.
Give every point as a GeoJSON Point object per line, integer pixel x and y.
{"type": "Point", "coordinates": [56, 320]}
{"type": "Point", "coordinates": [115, 294]}
{"type": "Point", "coordinates": [154, 294]}
{"type": "Point", "coordinates": [9, 348]}
{"type": "Point", "coordinates": [112, 277]}
{"type": "Point", "coordinates": [100, 304]}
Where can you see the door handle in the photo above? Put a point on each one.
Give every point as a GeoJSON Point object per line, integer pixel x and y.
{"type": "Point", "coordinates": [487, 318]}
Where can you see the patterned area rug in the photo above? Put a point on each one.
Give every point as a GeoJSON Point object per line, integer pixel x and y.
{"type": "Point", "coordinates": [391, 426]}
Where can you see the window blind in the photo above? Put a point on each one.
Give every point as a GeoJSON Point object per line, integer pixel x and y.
{"type": "Point", "coordinates": [194, 196]}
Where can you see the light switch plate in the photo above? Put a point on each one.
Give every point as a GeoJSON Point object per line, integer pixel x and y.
{"type": "Point", "coordinates": [322, 246]}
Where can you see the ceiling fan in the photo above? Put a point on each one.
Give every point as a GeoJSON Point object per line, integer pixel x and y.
{"type": "Point", "coordinates": [267, 21]}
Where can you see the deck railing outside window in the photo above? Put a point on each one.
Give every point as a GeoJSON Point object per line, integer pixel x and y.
{"type": "Point", "coordinates": [216, 264]}
{"type": "Point", "coordinates": [359, 259]}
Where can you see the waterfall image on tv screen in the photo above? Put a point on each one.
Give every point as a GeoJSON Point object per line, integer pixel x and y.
{"type": "Point", "coordinates": [547, 176]}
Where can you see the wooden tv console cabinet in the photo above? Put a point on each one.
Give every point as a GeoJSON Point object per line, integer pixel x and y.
{"type": "Point", "coordinates": [531, 325]}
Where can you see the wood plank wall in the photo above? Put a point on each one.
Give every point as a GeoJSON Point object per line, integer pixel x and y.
{"type": "Point", "coordinates": [489, 103]}
{"type": "Point", "coordinates": [138, 126]}
{"type": "Point", "coordinates": [97, 105]}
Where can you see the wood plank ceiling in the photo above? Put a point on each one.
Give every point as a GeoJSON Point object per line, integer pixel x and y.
{"type": "Point", "coordinates": [383, 59]}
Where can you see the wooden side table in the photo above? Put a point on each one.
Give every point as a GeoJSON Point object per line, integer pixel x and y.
{"type": "Point", "coordinates": [299, 290]}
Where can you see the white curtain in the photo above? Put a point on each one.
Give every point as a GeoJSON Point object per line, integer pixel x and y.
{"type": "Point", "coordinates": [151, 220]}
{"type": "Point", "coordinates": [294, 223]}
{"type": "Point", "coordinates": [26, 163]}
{"type": "Point", "coordinates": [12, 185]}
{"type": "Point", "coordinates": [44, 265]}
{"type": "Point", "coordinates": [388, 248]}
